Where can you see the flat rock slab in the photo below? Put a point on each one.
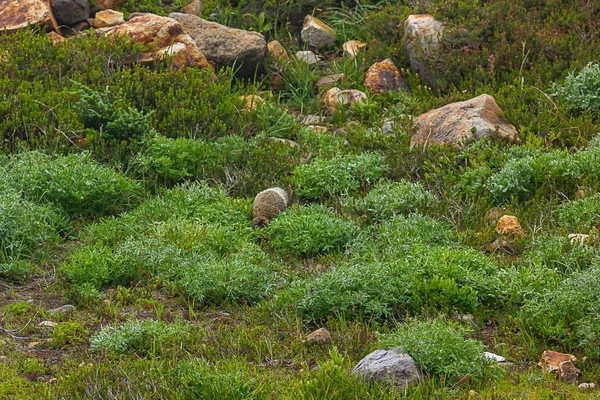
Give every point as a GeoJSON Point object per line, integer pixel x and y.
{"type": "Point", "coordinates": [224, 45]}
{"type": "Point", "coordinates": [457, 122]}
{"type": "Point", "coordinates": [399, 369]}
{"type": "Point", "coordinates": [18, 14]}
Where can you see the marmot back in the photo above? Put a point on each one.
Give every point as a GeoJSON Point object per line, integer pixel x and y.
{"type": "Point", "coordinates": [267, 204]}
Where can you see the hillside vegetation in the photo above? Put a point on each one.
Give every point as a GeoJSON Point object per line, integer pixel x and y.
{"type": "Point", "coordinates": [126, 190]}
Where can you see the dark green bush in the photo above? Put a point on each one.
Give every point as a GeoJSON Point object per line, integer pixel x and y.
{"type": "Point", "coordinates": [307, 231]}
{"type": "Point", "coordinates": [339, 175]}
{"type": "Point", "coordinates": [440, 347]}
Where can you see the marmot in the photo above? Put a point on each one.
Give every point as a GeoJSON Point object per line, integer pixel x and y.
{"type": "Point", "coordinates": [267, 204]}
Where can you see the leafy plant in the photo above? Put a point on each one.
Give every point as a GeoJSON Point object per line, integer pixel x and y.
{"type": "Point", "coordinates": [440, 347]}
{"type": "Point", "coordinates": [309, 231]}
{"type": "Point", "coordinates": [581, 91]}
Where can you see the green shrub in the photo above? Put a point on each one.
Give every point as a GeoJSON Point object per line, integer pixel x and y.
{"type": "Point", "coordinates": [388, 198]}
{"type": "Point", "coordinates": [558, 253]}
{"type": "Point", "coordinates": [67, 334]}
{"type": "Point", "coordinates": [580, 91]}
{"type": "Point", "coordinates": [77, 183]}
{"type": "Point", "coordinates": [307, 231]}
{"type": "Point", "coordinates": [143, 338]}
{"type": "Point", "coordinates": [579, 216]}
{"type": "Point", "coordinates": [338, 176]}
{"type": "Point", "coordinates": [418, 278]}
{"type": "Point", "coordinates": [24, 228]}
{"type": "Point", "coordinates": [244, 276]}
{"type": "Point", "coordinates": [116, 122]}
{"type": "Point", "coordinates": [440, 347]}
{"type": "Point", "coordinates": [514, 181]}
{"type": "Point", "coordinates": [567, 311]}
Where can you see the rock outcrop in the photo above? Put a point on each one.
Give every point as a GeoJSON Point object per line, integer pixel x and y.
{"type": "Point", "coordinates": [19, 14]}
{"type": "Point", "coordinates": [165, 37]}
{"type": "Point", "coordinates": [456, 122]}
{"type": "Point", "coordinates": [223, 45]}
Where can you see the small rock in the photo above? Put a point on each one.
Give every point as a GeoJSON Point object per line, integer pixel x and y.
{"type": "Point", "coordinates": [32, 345]}
{"type": "Point", "coordinates": [64, 310]}
{"type": "Point", "coordinates": [334, 98]}
{"type": "Point", "coordinates": [311, 119]}
{"type": "Point", "coordinates": [551, 360]}
{"type": "Point", "coordinates": [289, 142]}
{"type": "Point", "coordinates": [48, 324]}
{"type": "Point", "coordinates": [468, 318]}
{"type": "Point", "coordinates": [307, 56]}
{"type": "Point", "coordinates": [473, 394]}
{"type": "Point", "coordinates": [587, 386]}
{"type": "Point", "coordinates": [81, 26]}
{"type": "Point", "coordinates": [399, 369]}
{"type": "Point", "coordinates": [388, 127]}
{"type": "Point", "coordinates": [321, 336]}
{"type": "Point", "coordinates": [498, 245]}
{"type": "Point", "coordinates": [493, 357]}
{"type": "Point", "coordinates": [352, 47]}
{"type": "Point", "coordinates": [579, 238]}
{"type": "Point", "coordinates": [70, 12]}
{"type": "Point", "coordinates": [194, 8]}
{"type": "Point", "coordinates": [252, 101]}
{"type": "Point", "coordinates": [567, 372]}
{"type": "Point", "coordinates": [316, 33]}
{"type": "Point", "coordinates": [108, 18]}
{"type": "Point", "coordinates": [2, 358]}
{"type": "Point", "coordinates": [110, 4]}
{"type": "Point", "coordinates": [580, 194]}
{"type": "Point", "coordinates": [508, 225]}
{"type": "Point", "coordinates": [384, 76]}
{"type": "Point", "coordinates": [277, 51]}
{"type": "Point", "coordinates": [318, 129]}
{"type": "Point", "coordinates": [329, 81]}
{"type": "Point", "coordinates": [55, 37]}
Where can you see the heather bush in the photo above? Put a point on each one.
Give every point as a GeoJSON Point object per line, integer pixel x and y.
{"type": "Point", "coordinates": [579, 216]}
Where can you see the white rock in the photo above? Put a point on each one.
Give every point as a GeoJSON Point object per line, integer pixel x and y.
{"type": "Point", "coordinates": [48, 324]}
{"type": "Point", "coordinates": [493, 357]}
{"type": "Point", "coordinates": [307, 56]}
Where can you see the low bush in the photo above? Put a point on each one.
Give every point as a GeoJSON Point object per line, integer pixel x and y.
{"type": "Point", "coordinates": [440, 347]}
{"type": "Point", "coordinates": [580, 91]}
{"type": "Point", "coordinates": [341, 175]}
{"type": "Point", "coordinates": [76, 183]}
{"type": "Point", "coordinates": [24, 228]}
{"type": "Point", "coordinates": [144, 338]}
{"type": "Point", "coordinates": [67, 334]}
{"type": "Point", "coordinates": [579, 216]}
{"type": "Point", "coordinates": [388, 198]}
{"type": "Point", "coordinates": [307, 231]}
{"type": "Point", "coordinates": [566, 311]}
{"type": "Point", "coordinates": [415, 279]}
{"type": "Point", "coordinates": [560, 254]}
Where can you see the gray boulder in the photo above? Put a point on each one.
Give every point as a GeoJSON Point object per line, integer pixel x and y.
{"type": "Point", "coordinates": [398, 369]}
{"type": "Point", "coordinates": [223, 45]}
{"type": "Point", "coordinates": [70, 12]}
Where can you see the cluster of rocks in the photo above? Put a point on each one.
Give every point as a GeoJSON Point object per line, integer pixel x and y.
{"type": "Point", "coordinates": [190, 40]}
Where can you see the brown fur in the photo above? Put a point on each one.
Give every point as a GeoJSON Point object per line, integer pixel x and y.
{"type": "Point", "coordinates": [267, 204]}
